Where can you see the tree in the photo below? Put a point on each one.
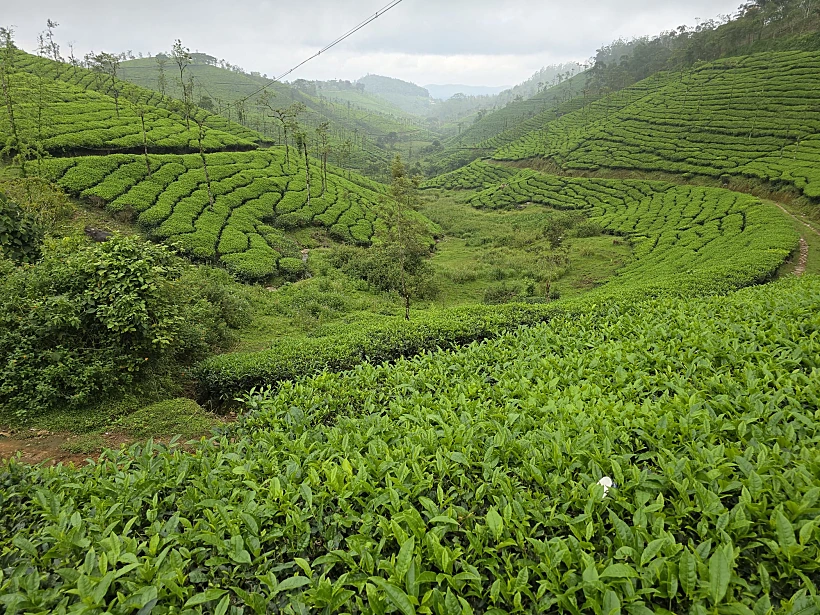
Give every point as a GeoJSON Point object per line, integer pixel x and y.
{"type": "Point", "coordinates": [14, 145]}
{"type": "Point", "coordinates": [302, 144]}
{"type": "Point", "coordinates": [287, 118]}
{"type": "Point", "coordinates": [201, 124]}
{"type": "Point", "coordinates": [404, 245]}
{"type": "Point", "coordinates": [182, 57]}
{"type": "Point", "coordinates": [162, 81]}
{"type": "Point", "coordinates": [52, 48]}
{"type": "Point", "coordinates": [108, 64]}
{"type": "Point", "coordinates": [321, 131]}
{"type": "Point", "coordinates": [141, 111]}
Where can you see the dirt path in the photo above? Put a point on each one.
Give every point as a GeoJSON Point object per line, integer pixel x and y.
{"type": "Point", "coordinates": [42, 446]}
{"type": "Point", "coordinates": [804, 258]}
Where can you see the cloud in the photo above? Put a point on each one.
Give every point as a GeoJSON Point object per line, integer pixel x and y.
{"type": "Point", "coordinates": [480, 42]}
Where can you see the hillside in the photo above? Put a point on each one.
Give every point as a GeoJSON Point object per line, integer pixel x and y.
{"type": "Point", "coordinates": [473, 477]}
{"type": "Point", "coordinates": [405, 95]}
{"type": "Point", "coordinates": [361, 135]}
{"type": "Point", "coordinates": [60, 118]}
{"type": "Point", "coordinates": [44, 70]}
{"type": "Point", "coordinates": [756, 116]}
{"type": "Point", "coordinates": [286, 387]}
{"type": "Point", "coordinates": [257, 196]}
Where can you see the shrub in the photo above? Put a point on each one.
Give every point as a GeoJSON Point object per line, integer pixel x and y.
{"type": "Point", "coordinates": [292, 268]}
{"type": "Point", "coordinates": [89, 320]}
{"type": "Point", "coordinates": [19, 234]}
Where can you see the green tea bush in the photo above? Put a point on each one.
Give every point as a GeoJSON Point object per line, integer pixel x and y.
{"type": "Point", "coordinates": [89, 320]}
{"type": "Point", "coordinates": [252, 191]}
{"type": "Point", "coordinates": [470, 481]}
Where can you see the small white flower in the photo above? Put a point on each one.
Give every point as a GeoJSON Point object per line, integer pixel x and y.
{"type": "Point", "coordinates": [606, 483]}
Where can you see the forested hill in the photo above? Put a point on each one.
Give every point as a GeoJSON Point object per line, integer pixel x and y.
{"type": "Point", "coordinates": [362, 135]}
{"type": "Point", "coordinates": [405, 95]}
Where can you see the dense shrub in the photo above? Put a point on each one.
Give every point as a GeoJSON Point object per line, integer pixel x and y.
{"type": "Point", "coordinates": [19, 234]}
{"type": "Point", "coordinates": [88, 320]}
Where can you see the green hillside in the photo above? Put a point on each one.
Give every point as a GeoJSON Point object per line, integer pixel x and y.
{"type": "Point", "coordinates": [756, 116]}
{"type": "Point", "coordinates": [494, 391]}
{"type": "Point", "coordinates": [60, 118]}
{"type": "Point", "coordinates": [407, 96]}
{"type": "Point", "coordinates": [257, 196]}
{"type": "Point", "coordinates": [686, 240]}
{"type": "Point", "coordinates": [362, 136]}
{"type": "Point", "coordinates": [481, 135]}
{"type": "Point", "coordinates": [47, 71]}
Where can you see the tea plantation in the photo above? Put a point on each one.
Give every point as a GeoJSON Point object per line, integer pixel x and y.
{"type": "Point", "coordinates": [66, 119]}
{"type": "Point", "coordinates": [467, 482]}
{"type": "Point", "coordinates": [754, 116]}
{"type": "Point", "coordinates": [252, 190]}
{"type": "Point", "coordinates": [27, 66]}
{"type": "Point", "coordinates": [648, 444]}
{"type": "Point", "coordinates": [686, 241]}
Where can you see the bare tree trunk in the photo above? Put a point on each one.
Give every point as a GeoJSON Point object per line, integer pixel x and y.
{"type": "Point", "coordinates": [205, 165]}
{"type": "Point", "coordinates": [307, 171]}
{"type": "Point", "coordinates": [145, 143]}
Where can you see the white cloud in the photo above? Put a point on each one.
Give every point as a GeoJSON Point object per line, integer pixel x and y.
{"type": "Point", "coordinates": [427, 41]}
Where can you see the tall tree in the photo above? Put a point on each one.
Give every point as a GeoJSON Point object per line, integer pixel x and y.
{"type": "Point", "coordinates": [182, 58]}
{"type": "Point", "coordinates": [14, 146]}
{"type": "Point", "coordinates": [403, 246]}
{"type": "Point", "coordinates": [200, 122]}
{"type": "Point", "coordinates": [108, 64]}
{"type": "Point", "coordinates": [162, 80]}
{"type": "Point", "coordinates": [322, 131]}
{"type": "Point", "coordinates": [302, 145]}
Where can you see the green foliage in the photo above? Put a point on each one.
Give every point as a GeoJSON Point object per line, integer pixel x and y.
{"type": "Point", "coordinates": [225, 377]}
{"type": "Point", "coordinates": [89, 320]}
{"type": "Point", "coordinates": [20, 235]}
{"type": "Point", "coordinates": [252, 191]}
{"type": "Point", "coordinates": [68, 119]}
{"type": "Point", "coordinates": [467, 482]}
{"type": "Point", "coordinates": [686, 241]}
{"type": "Point", "coordinates": [753, 116]}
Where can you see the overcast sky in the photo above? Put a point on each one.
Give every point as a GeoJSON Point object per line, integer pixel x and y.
{"type": "Point", "coordinates": [472, 42]}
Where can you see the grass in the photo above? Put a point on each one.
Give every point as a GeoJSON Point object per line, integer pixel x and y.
{"type": "Point", "coordinates": [483, 249]}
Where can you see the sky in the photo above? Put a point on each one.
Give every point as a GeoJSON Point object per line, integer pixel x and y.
{"type": "Point", "coordinates": [470, 42]}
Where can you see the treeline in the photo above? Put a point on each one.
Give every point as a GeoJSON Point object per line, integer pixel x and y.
{"type": "Point", "coordinates": [760, 25]}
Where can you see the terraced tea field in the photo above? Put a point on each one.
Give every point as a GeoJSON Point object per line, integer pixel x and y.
{"type": "Point", "coordinates": [31, 70]}
{"type": "Point", "coordinates": [66, 119]}
{"type": "Point", "coordinates": [683, 236]}
{"type": "Point", "coordinates": [755, 116]}
{"type": "Point", "coordinates": [252, 190]}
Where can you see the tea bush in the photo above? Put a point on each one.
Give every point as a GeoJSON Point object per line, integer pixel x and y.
{"type": "Point", "coordinates": [468, 482]}
{"type": "Point", "coordinates": [20, 235]}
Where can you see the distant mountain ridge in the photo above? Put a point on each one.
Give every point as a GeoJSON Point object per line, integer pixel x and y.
{"type": "Point", "coordinates": [443, 92]}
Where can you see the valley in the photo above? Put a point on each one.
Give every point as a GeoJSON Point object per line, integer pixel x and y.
{"type": "Point", "coordinates": [340, 346]}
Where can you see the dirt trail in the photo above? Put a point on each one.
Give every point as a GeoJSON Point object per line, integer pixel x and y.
{"type": "Point", "coordinates": [44, 446]}
{"type": "Point", "coordinates": [803, 260]}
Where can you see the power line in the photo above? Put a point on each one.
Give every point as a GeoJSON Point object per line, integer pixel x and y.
{"type": "Point", "coordinates": [327, 47]}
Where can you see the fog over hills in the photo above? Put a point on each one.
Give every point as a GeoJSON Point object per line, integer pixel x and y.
{"type": "Point", "coordinates": [443, 92]}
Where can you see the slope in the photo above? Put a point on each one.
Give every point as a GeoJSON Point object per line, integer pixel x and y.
{"type": "Point", "coordinates": [252, 191]}
{"type": "Point", "coordinates": [755, 116]}
{"type": "Point", "coordinates": [471, 481]}
{"type": "Point", "coordinates": [361, 137]}
{"type": "Point", "coordinates": [109, 85]}
{"type": "Point", "coordinates": [58, 118]}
